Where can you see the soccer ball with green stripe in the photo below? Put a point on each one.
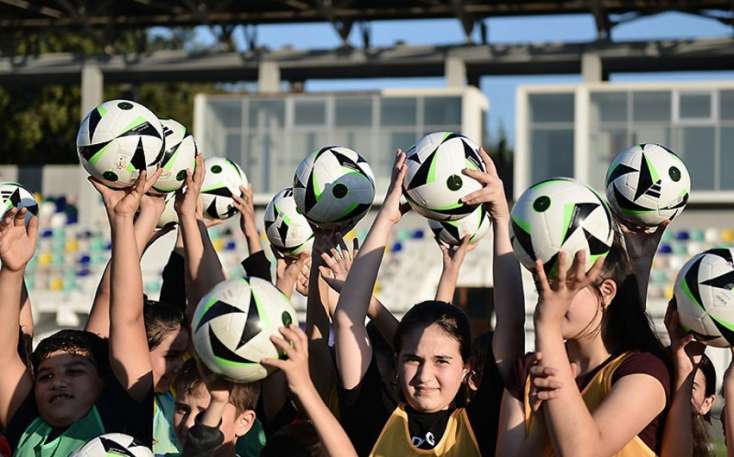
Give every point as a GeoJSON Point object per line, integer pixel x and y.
{"type": "Point", "coordinates": [13, 195]}
{"type": "Point", "coordinates": [334, 187]}
{"type": "Point", "coordinates": [287, 230]}
{"type": "Point", "coordinates": [560, 214]}
{"type": "Point", "coordinates": [647, 185]}
{"type": "Point", "coordinates": [476, 225]}
{"type": "Point", "coordinates": [232, 326]}
{"type": "Point", "coordinates": [179, 155]}
{"type": "Point", "coordinates": [113, 444]}
{"type": "Point", "coordinates": [705, 299]}
{"type": "Point", "coordinates": [119, 139]}
{"type": "Point", "coordinates": [222, 180]}
{"type": "Point", "coordinates": [435, 183]}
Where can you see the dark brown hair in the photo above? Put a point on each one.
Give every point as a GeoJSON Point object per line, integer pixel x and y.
{"type": "Point", "coordinates": [161, 318]}
{"type": "Point", "coordinates": [242, 396]}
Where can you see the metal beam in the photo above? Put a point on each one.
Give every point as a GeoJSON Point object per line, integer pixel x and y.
{"type": "Point", "coordinates": [399, 61]}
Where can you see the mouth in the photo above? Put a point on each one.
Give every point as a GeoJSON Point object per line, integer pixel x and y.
{"type": "Point", "coordinates": [60, 397]}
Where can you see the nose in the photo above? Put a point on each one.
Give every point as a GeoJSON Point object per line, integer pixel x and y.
{"type": "Point", "coordinates": [59, 382]}
{"type": "Point", "coordinates": [424, 374]}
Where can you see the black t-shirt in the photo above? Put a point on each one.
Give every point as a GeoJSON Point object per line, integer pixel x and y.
{"type": "Point", "coordinates": [119, 414]}
{"type": "Point", "coordinates": [366, 408]}
{"type": "Point", "coordinates": [173, 287]}
{"type": "Point", "coordinates": [257, 265]}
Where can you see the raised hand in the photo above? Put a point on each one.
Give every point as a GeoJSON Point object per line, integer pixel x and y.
{"type": "Point", "coordinates": [338, 263]}
{"type": "Point", "coordinates": [544, 382]}
{"type": "Point", "coordinates": [17, 241]}
{"type": "Point", "coordinates": [687, 352]}
{"type": "Point", "coordinates": [453, 256]}
{"type": "Point", "coordinates": [391, 209]}
{"type": "Point", "coordinates": [288, 270]}
{"type": "Point", "coordinates": [187, 198]}
{"type": "Point", "coordinates": [294, 344]}
{"type": "Point", "coordinates": [125, 202]}
{"type": "Point", "coordinates": [642, 242]}
{"type": "Point", "coordinates": [245, 205]}
{"type": "Point", "coordinates": [554, 300]}
{"type": "Point", "coordinates": [493, 192]}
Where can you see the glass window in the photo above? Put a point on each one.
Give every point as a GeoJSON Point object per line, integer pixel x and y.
{"type": "Point", "coordinates": [441, 110]}
{"type": "Point", "coordinates": [651, 106]}
{"type": "Point", "coordinates": [697, 149]}
{"type": "Point", "coordinates": [303, 143]}
{"type": "Point", "coordinates": [726, 102]}
{"type": "Point", "coordinates": [398, 111]}
{"type": "Point", "coordinates": [310, 112]}
{"type": "Point", "coordinates": [551, 108]}
{"type": "Point", "coordinates": [353, 111]}
{"type": "Point", "coordinates": [266, 114]}
{"type": "Point", "coordinates": [227, 112]}
{"type": "Point", "coordinates": [233, 150]}
{"type": "Point", "coordinates": [659, 134]}
{"type": "Point", "coordinates": [358, 140]}
{"type": "Point", "coordinates": [604, 146]}
{"type": "Point", "coordinates": [726, 154]}
{"type": "Point", "coordinates": [552, 153]}
{"type": "Point", "coordinates": [695, 106]}
{"type": "Point", "coordinates": [608, 107]}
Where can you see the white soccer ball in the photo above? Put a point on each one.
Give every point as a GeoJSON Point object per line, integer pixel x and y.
{"type": "Point", "coordinates": [13, 195]}
{"type": "Point", "coordinates": [560, 214]}
{"type": "Point", "coordinates": [647, 185]}
{"type": "Point", "coordinates": [179, 156]}
{"type": "Point", "coordinates": [287, 229]}
{"type": "Point", "coordinates": [113, 444]}
{"type": "Point", "coordinates": [435, 184]}
{"type": "Point", "coordinates": [705, 299]}
{"type": "Point", "coordinates": [334, 187]}
{"type": "Point", "coordinates": [117, 140]}
{"type": "Point", "coordinates": [476, 225]}
{"type": "Point", "coordinates": [169, 215]}
{"type": "Point", "coordinates": [223, 179]}
{"type": "Point", "coordinates": [232, 326]}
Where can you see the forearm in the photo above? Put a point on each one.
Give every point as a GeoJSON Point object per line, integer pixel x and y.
{"type": "Point", "coordinates": [144, 228]}
{"type": "Point", "coordinates": [11, 285]}
{"type": "Point", "coordinates": [641, 267]}
{"type": "Point", "coordinates": [126, 300]}
{"type": "Point", "coordinates": [203, 269]}
{"type": "Point", "coordinates": [447, 285]}
{"type": "Point", "coordinates": [508, 342]}
{"type": "Point", "coordinates": [513, 440]}
{"type": "Point", "coordinates": [253, 238]}
{"type": "Point", "coordinates": [317, 329]}
{"type": "Point", "coordinates": [26, 312]}
{"type": "Point", "coordinates": [332, 435]}
{"type": "Point", "coordinates": [384, 320]}
{"type": "Point", "coordinates": [678, 433]}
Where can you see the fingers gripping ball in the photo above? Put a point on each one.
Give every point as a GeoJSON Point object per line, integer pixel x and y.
{"type": "Point", "coordinates": [647, 185]}
{"type": "Point", "coordinates": [705, 297]}
{"type": "Point", "coordinates": [334, 187]}
{"type": "Point", "coordinates": [232, 326]}
{"type": "Point", "coordinates": [113, 444]}
{"type": "Point", "coordinates": [560, 214]}
{"type": "Point", "coordinates": [476, 225]}
{"type": "Point", "coordinates": [286, 228]}
{"type": "Point", "coordinates": [13, 195]}
{"type": "Point", "coordinates": [435, 182]}
{"type": "Point", "coordinates": [223, 179]}
{"type": "Point", "coordinates": [117, 140]}
{"type": "Point", "coordinates": [179, 156]}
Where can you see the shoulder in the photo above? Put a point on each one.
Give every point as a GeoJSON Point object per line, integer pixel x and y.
{"type": "Point", "coordinates": [22, 418]}
{"type": "Point", "coordinates": [644, 363]}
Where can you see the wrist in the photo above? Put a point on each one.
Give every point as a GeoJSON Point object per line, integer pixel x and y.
{"type": "Point", "coordinates": [545, 324]}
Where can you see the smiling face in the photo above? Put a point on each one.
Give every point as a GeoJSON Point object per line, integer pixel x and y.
{"type": "Point", "coordinates": [167, 357]}
{"type": "Point", "coordinates": [430, 368]}
{"type": "Point", "coordinates": [66, 386]}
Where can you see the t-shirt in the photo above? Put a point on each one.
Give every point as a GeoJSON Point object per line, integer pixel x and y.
{"type": "Point", "coordinates": [257, 265]}
{"type": "Point", "coordinates": [366, 408]}
{"type": "Point", "coordinates": [636, 363]}
{"type": "Point", "coordinates": [173, 287]}
{"type": "Point", "coordinates": [116, 410]}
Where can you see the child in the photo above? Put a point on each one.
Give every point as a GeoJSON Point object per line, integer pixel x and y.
{"type": "Point", "coordinates": [77, 390]}
{"type": "Point", "coordinates": [609, 343]}
{"type": "Point", "coordinates": [432, 348]}
{"type": "Point", "coordinates": [211, 414]}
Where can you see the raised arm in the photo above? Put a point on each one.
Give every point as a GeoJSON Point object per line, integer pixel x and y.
{"type": "Point", "coordinates": [453, 258]}
{"type": "Point", "coordinates": [129, 356]}
{"type": "Point", "coordinates": [508, 343]}
{"type": "Point", "coordinates": [151, 208]}
{"type": "Point", "coordinates": [641, 245]}
{"type": "Point", "coordinates": [17, 244]}
{"type": "Point", "coordinates": [353, 352]}
{"type": "Point", "coordinates": [294, 343]}
{"type": "Point", "coordinates": [246, 206]}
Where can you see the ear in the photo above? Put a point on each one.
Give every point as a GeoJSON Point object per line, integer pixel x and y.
{"type": "Point", "coordinates": [243, 422]}
{"type": "Point", "coordinates": [707, 405]}
{"type": "Point", "coordinates": [608, 289]}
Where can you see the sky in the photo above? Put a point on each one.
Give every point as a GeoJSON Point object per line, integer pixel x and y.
{"type": "Point", "coordinates": [499, 89]}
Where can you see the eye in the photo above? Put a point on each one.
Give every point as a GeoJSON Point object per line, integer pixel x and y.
{"type": "Point", "coordinates": [45, 377]}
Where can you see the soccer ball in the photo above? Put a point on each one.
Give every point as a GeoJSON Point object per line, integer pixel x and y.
{"type": "Point", "coordinates": [13, 195]}
{"type": "Point", "coordinates": [179, 156]}
{"type": "Point", "coordinates": [435, 184]}
{"type": "Point", "coordinates": [475, 225]}
{"type": "Point", "coordinates": [288, 231]}
{"type": "Point", "coordinates": [232, 326]}
{"type": "Point", "coordinates": [334, 187]}
{"type": "Point", "coordinates": [704, 297]}
{"type": "Point", "coordinates": [560, 214]}
{"type": "Point", "coordinates": [223, 179]}
{"type": "Point", "coordinates": [647, 184]}
{"type": "Point", "coordinates": [119, 139]}
{"type": "Point", "coordinates": [113, 444]}
{"type": "Point", "coordinates": [169, 215]}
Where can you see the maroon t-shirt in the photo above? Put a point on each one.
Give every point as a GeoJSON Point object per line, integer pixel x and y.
{"type": "Point", "coordinates": [636, 363]}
